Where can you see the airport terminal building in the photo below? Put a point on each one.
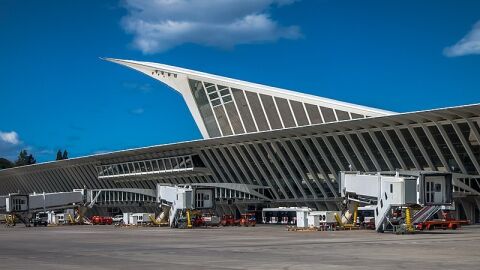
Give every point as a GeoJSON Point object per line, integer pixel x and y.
{"type": "Point", "coordinates": [263, 146]}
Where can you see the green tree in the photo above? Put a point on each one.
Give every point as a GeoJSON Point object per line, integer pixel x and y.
{"type": "Point", "coordinates": [65, 154]}
{"type": "Point", "coordinates": [31, 160]}
{"type": "Point", "coordinates": [59, 155]}
{"type": "Point", "coordinates": [25, 159]}
{"type": "Point", "coordinates": [5, 163]}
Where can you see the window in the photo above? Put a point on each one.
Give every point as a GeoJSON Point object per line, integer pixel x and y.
{"type": "Point", "coordinates": [216, 102]}
{"type": "Point", "coordinates": [391, 188]}
{"type": "Point", "coordinates": [328, 114]}
{"type": "Point", "coordinates": [204, 107]}
{"type": "Point", "coordinates": [244, 110]}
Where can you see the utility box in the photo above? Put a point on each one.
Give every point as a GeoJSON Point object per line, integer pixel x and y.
{"type": "Point", "coordinates": [302, 218]}
{"type": "Point", "coordinates": [126, 218]}
{"type": "Point", "coordinates": [313, 221]}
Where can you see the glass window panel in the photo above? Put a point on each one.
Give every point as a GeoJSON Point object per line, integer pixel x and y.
{"type": "Point", "coordinates": [131, 168]}
{"type": "Point", "coordinates": [285, 112]}
{"type": "Point", "coordinates": [125, 168]}
{"type": "Point", "coordinates": [234, 118]}
{"type": "Point", "coordinates": [148, 165]}
{"type": "Point", "coordinates": [313, 113]}
{"type": "Point", "coordinates": [161, 164]}
{"type": "Point", "coordinates": [363, 153]}
{"type": "Point", "coordinates": [115, 169]}
{"type": "Point", "coordinates": [224, 92]}
{"type": "Point", "coordinates": [257, 110]}
{"type": "Point", "coordinates": [213, 95]}
{"type": "Point", "coordinates": [328, 114]}
{"type": "Point", "coordinates": [356, 115]}
{"type": "Point", "coordinates": [208, 85]}
{"type": "Point", "coordinates": [120, 169]}
{"type": "Point", "coordinates": [204, 108]}
{"type": "Point", "coordinates": [375, 152]}
{"type": "Point", "coordinates": [137, 167]}
{"type": "Point", "coordinates": [414, 148]}
{"type": "Point", "coordinates": [401, 150]}
{"type": "Point", "coordinates": [155, 165]}
{"type": "Point", "coordinates": [211, 89]}
{"type": "Point", "coordinates": [222, 120]}
{"type": "Point", "coordinates": [271, 111]}
{"type": "Point", "coordinates": [388, 151]}
{"type": "Point", "coordinates": [299, 112]}
{"type": "Point", "coordinates": [104, 170]}
{"type": "Point", "coordinates": [188, 162]}
{"type": "Point", "coordinates": [342, 115]}
{"type": "Point", "coordinates": [216, 102]}
{"type": "Point", "coordinates": [168, 165]}
{"type": "Point", "coordinates": [142, 166]}
{"type": "Point", "coordinates": [244, 110]}
{"type": "Point", "coordinates": [181, 162]}
{"type": "Point", "coordinates": [174, 163]}
{"type": "Point", "coordinates": [459, 148]}
{"type": "Point", "coordinates": [227, 98]}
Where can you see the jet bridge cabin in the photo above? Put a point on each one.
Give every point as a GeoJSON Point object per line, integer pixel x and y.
{"type": "Point", "coordinates": [391, 192]}
{"type": "Point", "coordinates": [403, 188]}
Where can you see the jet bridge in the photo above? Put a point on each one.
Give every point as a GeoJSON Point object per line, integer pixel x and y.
{"type": "Point", "coordinates": [395, 194]}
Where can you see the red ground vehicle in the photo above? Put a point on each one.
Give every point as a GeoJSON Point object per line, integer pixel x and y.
{"type": "Point", "coordinates": [228, 220]}
{"type": "Point", "coordinates": [248, 219]}
{"type": "Point", "coordinates": [445, 223]}
{"type": "Point", "coordinates": [99, 220]}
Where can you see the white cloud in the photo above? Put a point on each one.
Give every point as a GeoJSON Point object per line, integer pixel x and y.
{"type": "Point", "coordinates": [160, 25]}
{"type": "Point", "coordinates": [470, 44]}
{"type": "Point", "coordinates": [10, 144]}
{"type": "Point", "coordinates": [9, 137]}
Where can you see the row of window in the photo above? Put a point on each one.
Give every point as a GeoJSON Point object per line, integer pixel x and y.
{"type": "Point", "coordinates": [298, 168]}
{"type": "Point", "coordinates": [163, 73]}
{"type": "Point", "coordinates": [218, 94]}
{"type": "Point", "coordinates": [227, 111]}
{"type": "Point", "coordinates": [154, 165]}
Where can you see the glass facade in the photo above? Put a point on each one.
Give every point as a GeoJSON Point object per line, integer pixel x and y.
{"type": "Point", "coordinates": [178, 163]}
{"type": "Point", "coordinates": [204, 107]}
{"type": "Point", "coordinates": [230, 111]}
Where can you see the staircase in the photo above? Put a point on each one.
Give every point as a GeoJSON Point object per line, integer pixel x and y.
{"type": "Point", "coordinates": [426, 213]}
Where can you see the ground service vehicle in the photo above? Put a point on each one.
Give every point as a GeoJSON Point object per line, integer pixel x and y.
{"type": "Point", "coordinates": [99, 220]}
{"type": "Point", "coordinates": [227, 220]}
{"type": "Point", "coordinates": [248, 220]}
{"type": "Point", "coordinates": [117, 219]}
{"type": "Point", "coordinates": [40, 219]}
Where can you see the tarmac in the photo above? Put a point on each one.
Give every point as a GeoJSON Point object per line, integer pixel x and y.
{"type": "Point", "coordinates": [261, 247]}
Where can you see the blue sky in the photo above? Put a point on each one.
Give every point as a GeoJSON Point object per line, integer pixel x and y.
{"type": "Point", "coordinates": [56, 93]}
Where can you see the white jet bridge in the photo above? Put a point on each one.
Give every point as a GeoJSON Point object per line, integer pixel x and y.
{"type": "Point", "coordinates": [396, 194]}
